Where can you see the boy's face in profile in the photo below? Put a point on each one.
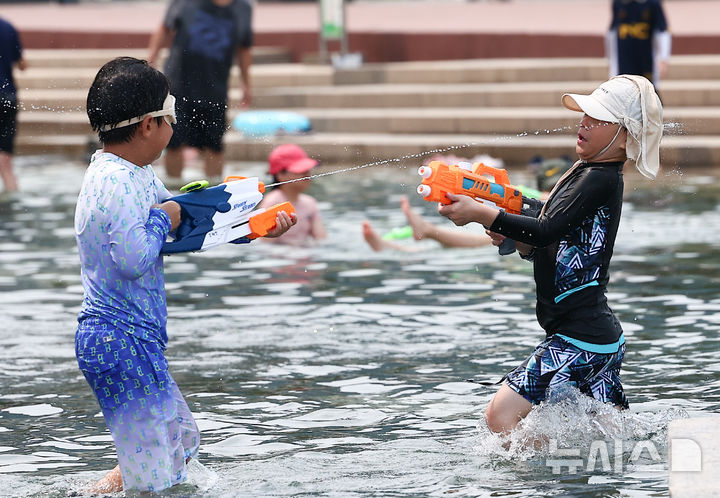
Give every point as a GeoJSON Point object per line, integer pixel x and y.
{"type": "Point", "coordinates": [160, 135]}
{"type": "Point", "coordinates": [594, 135]}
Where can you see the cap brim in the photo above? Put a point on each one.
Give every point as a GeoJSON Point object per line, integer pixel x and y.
{"type": "Point", "coordinates": [302, 166]}
{"type": "Point", "coordinates": [588, 105]}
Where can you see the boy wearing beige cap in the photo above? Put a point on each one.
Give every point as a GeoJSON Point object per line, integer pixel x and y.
{"type": "Point", "coordinates": [570, 244]}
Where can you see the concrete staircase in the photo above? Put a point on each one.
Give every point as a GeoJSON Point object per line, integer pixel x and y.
{"type": "Point", "coordinates": [508, 108]}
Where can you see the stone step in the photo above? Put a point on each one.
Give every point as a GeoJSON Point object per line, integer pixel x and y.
{"type": "Point", "coordinates": [675, 93]}
{"type": "Point", "coordinates": [687, 67]}
{"type": "Point", "coordinates": [268, 75]}
{"type": "Point", "coordinates": [490, 120]}
{"type": "Point", "coordinates": [69, 72]}
{"type": "Point", "coordinates": [95, 58]}
{"type": "Point", "coordinates": [404, 150]}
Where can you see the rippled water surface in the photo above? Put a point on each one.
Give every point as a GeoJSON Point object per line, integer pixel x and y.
{"type": "Point", "coordinates": [333, 370]}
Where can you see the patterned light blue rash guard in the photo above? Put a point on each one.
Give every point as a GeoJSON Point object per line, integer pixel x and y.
{"type": "Point", "coordinates": [119, 239]}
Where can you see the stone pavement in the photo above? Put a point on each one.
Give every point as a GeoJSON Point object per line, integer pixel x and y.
{"type": "Point", "coordinates": [383, 30]}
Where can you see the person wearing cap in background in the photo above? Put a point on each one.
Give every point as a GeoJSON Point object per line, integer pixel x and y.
{"type": "Point", "coordinates": [570, 244]}
{"type": "Point", "coordinates": [289, 163]}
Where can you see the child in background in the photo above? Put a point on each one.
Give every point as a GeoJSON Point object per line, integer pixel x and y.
{"type": "Point", "coordinates": [424, 229]}
{"type": "Point", "coordinates": [290, 163]}
{"type": "Point", "coordinates": [548, 172]}
{"type": "Point", "coordinates": [571, 243]}
{"type": "Point", "coordinates": [121, 223]}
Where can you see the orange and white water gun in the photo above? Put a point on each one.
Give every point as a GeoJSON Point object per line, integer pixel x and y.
{"type": "Point", "coordinates": [211, 216]}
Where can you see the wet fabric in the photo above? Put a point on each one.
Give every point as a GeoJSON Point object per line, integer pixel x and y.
{"type": "Point", "coordinates": [556, 364]}
{"type": "Point", "coordinates": [119, 239]}
{"type": "Point", "coordinates": [199, 124]}
{"type": "Point", "coordinates": [634, 23]}
{"type": "Point", "coordinates": [151, 425]}
{"type": "Point", "coordinates": [206, 39]}
{"type": "Point", "coordinates": [10, 53]}
{"type": "Point", "coordinates": [8, 113]}
{"type": "Point", "coordinates": [574, 237]}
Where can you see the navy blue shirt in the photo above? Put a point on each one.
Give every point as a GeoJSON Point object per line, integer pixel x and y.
{"type": "Point", "coordinates": [207, 37]}
{"type": "Point", "coordinates": [10, 53]}
{"type": "Point", "coordinates": [635, 22]}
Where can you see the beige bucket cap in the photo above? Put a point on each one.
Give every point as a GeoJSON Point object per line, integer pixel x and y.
{"type": "Point", "coordinates": [632, 102]}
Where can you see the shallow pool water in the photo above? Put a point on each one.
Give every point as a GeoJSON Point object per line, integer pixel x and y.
{"type": "Point", "coordinates": [336, 371]}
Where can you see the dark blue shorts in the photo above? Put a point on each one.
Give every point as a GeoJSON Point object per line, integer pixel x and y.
{"type": "Point", "coordinates": [8, 112]}
{"type": "Point", "coordinates": [556, 363]}
{"type": "Point", "coordinates": [199, 124]}
{"type": "Point", "coordinates": [151, 425]}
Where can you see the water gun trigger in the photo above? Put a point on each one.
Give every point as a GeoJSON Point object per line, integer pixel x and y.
{"type": "Point", "coordinates": [194, 186]}
{"type": "Point", "coordinates": [232, 178]}
{"type": "Point", "coordinates": [264, 221]}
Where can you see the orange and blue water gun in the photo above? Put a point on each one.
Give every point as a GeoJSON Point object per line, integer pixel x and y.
{"type": "Point", "coordinates": [474, 180]}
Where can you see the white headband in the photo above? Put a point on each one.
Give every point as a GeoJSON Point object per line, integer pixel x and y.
{"type": "Point", "coordinates": [167, 112]}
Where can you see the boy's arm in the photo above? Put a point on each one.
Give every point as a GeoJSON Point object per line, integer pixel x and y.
{"type": "Point", "coordinates": [136, 237]}
{"type": "Point", "coordinates": [581, 196]}
{"type": "Point", "coordinates": [243, 56]}
{"type": "Point", "coordinates": [160, 38]}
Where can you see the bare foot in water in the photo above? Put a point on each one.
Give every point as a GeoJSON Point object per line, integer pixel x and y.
{"type": "Point", "coordinates": [372, 238]}
{"type": "Point", "coordinates": [111, 483]}
{"type": "Point", "coordinates": [420, 225]}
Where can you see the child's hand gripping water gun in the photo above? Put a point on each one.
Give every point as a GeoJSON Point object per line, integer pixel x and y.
{"type": "Point", "coordinates": [468, 179]}
{"type": "Point", "coordinates": [221, 214]}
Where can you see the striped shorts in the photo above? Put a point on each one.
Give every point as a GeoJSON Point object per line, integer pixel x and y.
{"type": "Point", "coordinates": [556, 364]}
{"type": "Point", "coordinates": [152, 427]}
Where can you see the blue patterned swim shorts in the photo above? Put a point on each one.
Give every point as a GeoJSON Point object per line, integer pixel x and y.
{"type": "Point", "coordinates": [556, 363]}
{"type": "Point", "coordinates": [151, 425]}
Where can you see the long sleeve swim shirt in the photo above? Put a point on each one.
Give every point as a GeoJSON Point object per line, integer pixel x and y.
{"type": "Point", "coordinates": [119, 238]}
{"type": "Point", "coordinates": [574, 239]}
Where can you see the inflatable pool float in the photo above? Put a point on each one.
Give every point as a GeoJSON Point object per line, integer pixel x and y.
{"type": "Point", "coordinates": [259, 123]}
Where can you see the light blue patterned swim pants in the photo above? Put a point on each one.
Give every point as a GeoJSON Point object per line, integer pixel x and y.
{"type": "Point", "coordinates": [151, 425]}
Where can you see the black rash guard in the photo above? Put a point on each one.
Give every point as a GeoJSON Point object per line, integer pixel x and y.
{"type": "Point", "coordinates": [573, 242]}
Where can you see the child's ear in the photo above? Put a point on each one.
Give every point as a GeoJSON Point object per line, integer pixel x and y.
{"type": "Point", "coordinates": [146, 126]}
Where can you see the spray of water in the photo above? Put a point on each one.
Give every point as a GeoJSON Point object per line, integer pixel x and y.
{"type": "Point", "coordinates": [572, 420]}
{"type": "Point", "coordinates": [418, 155]}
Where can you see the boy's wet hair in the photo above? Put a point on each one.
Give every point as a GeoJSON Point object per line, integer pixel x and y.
{"type": "Point", "coordinates": [124, 88]}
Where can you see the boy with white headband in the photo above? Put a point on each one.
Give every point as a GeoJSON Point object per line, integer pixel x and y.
{"type": "Point", "coordinates": [121, 223]}
{"type": "Point", "coordinates": [571, 243]}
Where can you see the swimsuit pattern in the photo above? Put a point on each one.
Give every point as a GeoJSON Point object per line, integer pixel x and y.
{"type": "Point", "coordinates": [579, 256]}
{"type": "Point", "coordinates": [150, 422]}
{"type": "Point", "coordinates": [556, 364]}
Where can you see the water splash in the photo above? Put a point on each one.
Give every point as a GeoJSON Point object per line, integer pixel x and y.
{"type": "Point", "coordinates": [674, 128]}
{"type": "Point", "coordinates": [419, 155]}
{"type": "Point", "coordinates": [572, 421]}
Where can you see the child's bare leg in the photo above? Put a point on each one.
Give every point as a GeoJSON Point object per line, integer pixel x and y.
{"type": "Point", "coordinates": [506, 410]}
{"type": "Point", "coordinates": [214, 161]}
{"type": "Point", "coordinates": [448, 237]}
{"type": "Point", "coordinates": [111, 483]}
{"type": "Point", "coordinates": [420, 225]}
{"type": "Point", "coordinates": [6, 172]}
{"type": "Point", "coordinates": [372, 238]}
{"type": "Point", "coordinates": [379, 244]}
{"type": "Point", "coordinates": [174, 163]}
